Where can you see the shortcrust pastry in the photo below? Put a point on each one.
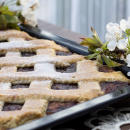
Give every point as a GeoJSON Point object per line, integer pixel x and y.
{"type": "Point", "coordinates": [39, 77]}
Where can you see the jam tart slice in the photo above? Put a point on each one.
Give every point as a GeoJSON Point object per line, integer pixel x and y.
{"type": "Point", "coordinates": [47, 75]}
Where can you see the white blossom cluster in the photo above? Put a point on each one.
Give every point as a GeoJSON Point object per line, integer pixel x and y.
{"type": "Point", "coordinates": [114, 36]}
{"type": "Point", "coordinates": [28, 11]}
{"type": "Point", "coordinates": [115, 39]}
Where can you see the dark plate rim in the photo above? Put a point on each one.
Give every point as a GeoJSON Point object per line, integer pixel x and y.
{"type": "Point", "coordinates": [80, 109]}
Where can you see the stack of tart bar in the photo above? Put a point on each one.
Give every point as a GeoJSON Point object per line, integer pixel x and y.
{"type": "Point", "coordinates": [39, 77]}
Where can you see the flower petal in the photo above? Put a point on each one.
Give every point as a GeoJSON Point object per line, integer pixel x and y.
{"type": "Point", "coordinates": [128, 74]}
{"type": "Point", "coordinates": [26, 12]}
{"type": "Point", "coordinates": [129, 18]}
{"type": "Point", "coordinates": [29, 16]}
{"type": "Point", "coordinates": [33, 22]}
{"type": "Point", "coordinates": [122, 44]}
{"type": "Point", "coordinates": [110, 37]}
{"type": "Point", "coordinates": [23, 2]}
{"type": "Point", "coordinates": [128, 57]}
{"type": "Point", "coordinates": [108, 26]}
{"type": "Point", "coordinates": [126, 40]}
{"type": "Point", "coordinates": [34, 4]}
{"type": "Point", "coordinates": [112, 45]}
{"type": "Point", "coordinates": [128, 64]}
{"type": "Point", "coordinates": [114, 29]}
{"type": "Point", "coordinates": [123, 24]}
{"type": "Point", "coordinates": [128, 24]}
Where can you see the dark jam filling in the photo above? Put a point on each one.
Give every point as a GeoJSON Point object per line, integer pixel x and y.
{"type": "Point", "coordinates": [25, 69]}
{"type": "Point", "coordinates": [69, 69]}
{"type": "Point", "coordinates": [12, 107]}
{"type": "Point", "coordinates": [64, 86]}
{"type": "Point", "coordinates": [108, 87]}
{"type": "Point", "coordinates": [105, 69]}
{"type": "Point", "coordinates": [27, 54]}
{"type": "Point", "coordinates": [2, 55]}
{"type": "Point", "coordinates": [15, 86]}
{"type": "Point", "coordinates": [54, 107]}
{"type": "Point", "coordinates": [62, 53]}
{"type": "Point", "coordinates": [125, 127]}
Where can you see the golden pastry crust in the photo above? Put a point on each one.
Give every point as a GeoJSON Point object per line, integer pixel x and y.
{"type": "Point", "coordinates": [5, 35]}
{"type": "Point", "coordinates": [44, 75]}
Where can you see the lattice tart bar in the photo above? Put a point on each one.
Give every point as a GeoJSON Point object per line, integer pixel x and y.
{"type": "Point", "coordinates": [39, 77]}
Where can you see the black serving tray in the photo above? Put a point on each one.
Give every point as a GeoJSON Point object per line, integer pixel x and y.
{"type": "Point", "coordinates": [78, 110]}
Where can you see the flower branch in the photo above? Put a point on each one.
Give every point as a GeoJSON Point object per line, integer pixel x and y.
{"type": "Point", "coordinates": [9, 19]}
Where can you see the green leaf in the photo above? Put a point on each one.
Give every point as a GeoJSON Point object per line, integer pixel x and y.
{"type": "Point", "coordinates": [104, 47]}
{"type": "Point", "coordinates": [3, 22]}
{"type": "Point", "coordinates": [96, 38]}
{"type": "Point", "coordinates": [8, 12]}
{"type": "Point", "coordinates": [92, 49]}
{"type": "Point", "coordinates": [3, 8]}
{"type": "Point", "coordinates": [89, 42]}
{"type": "Point", "coordinates": [110, 63]}
{"type": "Point", "coordinates": [13, 26]}
{"type": "Point", "coordinates": [11, 19]}
{"type": "Point", "coordinates": [89, 57]}
{"type": "Point", "coordinates": [99, 59]}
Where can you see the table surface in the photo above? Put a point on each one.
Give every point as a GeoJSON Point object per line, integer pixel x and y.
{"type": "Point", "coordinates": [60, 31]}
{"type": "Point", "coordinates": [76, 124]}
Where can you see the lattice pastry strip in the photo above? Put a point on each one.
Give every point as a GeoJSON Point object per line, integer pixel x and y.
{"type": "Point", "coordinates": [5, 35]}
{"type": "Point", "coordinates": [46, 52]}
{"type": "Point", "coordinates": [15, 39]}
{"type": "Point", "coordinates": [86, 66]}
{"type": "Point", "coordinates": [3, 86]}
{"type": "Point", "coordinates": [10, 54]}
{"type": "Point", "coordinates": [31, 46]}
{"type": "Point", "coordinates": [25, 61]}
{"type": "Point", "coordinates": [28, 112]}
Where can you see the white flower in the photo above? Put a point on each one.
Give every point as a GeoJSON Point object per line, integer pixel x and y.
{"type": "Point", "coordinates": [112, 45]}
{"type": "Point", "coordinates": [23, 2]}
{"type": "Point", "coordinates": [114, 32]}
{"type": "Point", "coordinates": [110, 37]}
{"type": "Point", "coordinates": [28, 11]}
{"type": "Point", "coordinates": [125, 24]}
{"type": "Point", "coordinates": [34, 4]}
{"type": "Point", "coordinates": [29, 16]}
{"type": "Point", "coordinates": [121, 44]}
{"type": "Point", "coordinates": [114, 29]}
{"type": "Point", "coordinates": [114, 37]}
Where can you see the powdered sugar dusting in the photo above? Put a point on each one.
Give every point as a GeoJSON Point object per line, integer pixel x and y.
{"type": "Point", "coordinates": [14, 45]}
{"type": "Point", "coordinates": [5, 86]}
{"type": "Point", "coordinates": [30, 61]}
{"type": "Point", "coordinates": [45, 67]}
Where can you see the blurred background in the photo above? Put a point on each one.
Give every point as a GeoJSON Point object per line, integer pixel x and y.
{"type": "Point", "coordinates": [79, 15]}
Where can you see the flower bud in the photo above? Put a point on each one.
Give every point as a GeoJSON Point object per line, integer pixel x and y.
{"type": "Point", "coordinates": [128, 32]}
{"type": "Point", "coordinates": [18, 3]}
